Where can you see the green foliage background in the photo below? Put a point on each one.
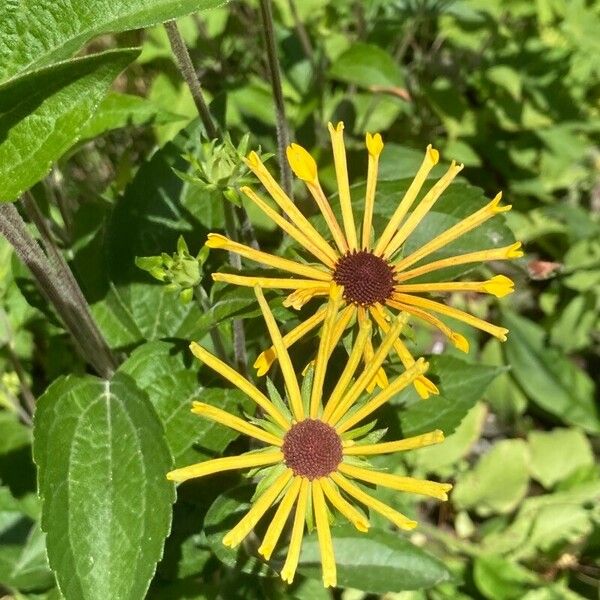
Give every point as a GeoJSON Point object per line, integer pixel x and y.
{"type": "Point", "coordinates": [98, 124]}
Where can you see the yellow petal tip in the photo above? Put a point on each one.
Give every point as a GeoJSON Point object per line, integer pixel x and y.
{"type": "Point", "coordinates": [302, 163]}
{"type": "Point", "coordinates": [514, 251]}
{"type": "Point", "coordinates": [460, 342]}
{"type": "Point", "coordinates": [374, 144]}
{"type": "Point", "coordinates": [216, 240]}
{"type": "Point", "coordinates": [433, 155]}
{"type": "Point", "coordinates": [499, 286]}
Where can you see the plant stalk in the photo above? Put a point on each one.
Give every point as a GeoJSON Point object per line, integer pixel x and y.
{"type": "Point", "coordinates": [58, 288]}
{"type": "Point", "coordinates": [282, 129]}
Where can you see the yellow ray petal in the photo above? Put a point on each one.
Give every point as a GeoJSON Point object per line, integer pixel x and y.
{"type": "Point", "coordinates": [265, 359]}
{"type": "Point", "coordinates": [279, 519]}
{"type": "Point", "coordinates": [350, 512]}
{"type": "Point", "coordinates": [323, 353]}
{"type": "Point", "coordinates": [459, 340]}
{"type": "Point", "coordinates": [498, 286]}
{"type": "Point", "coordinates": [259, 507]}
{"type": "Point", "coordinates": [424, 386]}
{"type": "Point", "coordinates": [398, 519]}
{"type": "Point", "coordinates": [293, 555]}
{"type": "Point", "coordinates": [431, 159]}
{"type": "Point", "coordinates": [229, 463]}
{"type": "Point", "coordinates": [462, 227]}
{"type": "Point", "coordinates": [380, 378]}
{"type": "Point", "coordinates": [397, 482]}
{"type": "Point", "coordinates": [417, 441]}
{"type": "Point", "coordinates": [505, 253]}
{"type": "Point", "coordinates": [382, 397]}
{"type": "Point", "coordinates": [223, 369]}
{"type": "Point", "coordinates": [344, 318]}
{"type": "Point", "coordinates": [304, 239]}
{"type": "Point", "coordinates": [375, 147]}
{"type": "Point", "coordinates": [422, 209]}
{"type": "Point", "coordinates": [291, 382]}
{"type": "Point", "coordinates": [455, 313]}
{"type": "Point", "coordinates": [285, 203]}
{"type": "Point", "coordinates": [364, 334]}
{"type": "Point", "coordinates": [299, 298]}
{"type": "Point", "coordinates": [341, 172]}
{"type": "Point", "coordinates": [305, 168]}
{"type": "Point", "coordinates": [361, 383]}
{"type": "Point", "coordinates": [221, 416]}
{"type": "Point", "coordinates": [216, 240]}
{"type": "Point", "coordinates": [324, 535]}
{"type": "Point", "coordinates": [266, 282]}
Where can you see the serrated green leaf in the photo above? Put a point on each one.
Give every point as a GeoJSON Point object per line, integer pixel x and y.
{"type": "Point", "coordinates": [552, 381]}
{"type": "Point", "coordinates": [42, 114]}
{"type": "Point", "coordinates": [55, 32]}
{"type": "Point", "coordinates": [102, 462]}
{"type": "Point", "coordinates": [169, 376]}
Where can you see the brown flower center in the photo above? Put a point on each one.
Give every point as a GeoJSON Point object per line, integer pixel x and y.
{"type": "Point", "coordinates": [366, 278]}
{"type": "Point", "coordinates": [312, 449]}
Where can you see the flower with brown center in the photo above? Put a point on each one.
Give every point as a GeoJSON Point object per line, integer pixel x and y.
{"type": "Point", "coordinates": [378, 280]}
{"type": "Point", "coordinates": [312, 446]}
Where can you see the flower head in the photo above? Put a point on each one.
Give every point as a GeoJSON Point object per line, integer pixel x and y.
{"type": "Point", "coordinates": [378, 279]}
{"type": "Point", "coordinates": [314, 454]}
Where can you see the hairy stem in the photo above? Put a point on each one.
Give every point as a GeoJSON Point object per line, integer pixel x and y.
{"type": "Point", "coordinates": [184, 62]}
{"type": "Point", "coordinates": [58, 288]}
{"type": "Point", "coordinates": [283, 132]}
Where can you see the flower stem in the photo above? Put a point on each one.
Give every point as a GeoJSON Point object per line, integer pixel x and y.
{"type": "Point", "coordinates": [282, 129]}
{"type": "Point", "coordinates": [57, 284]}
{"type": "Point", "coordinates": [184, 62]}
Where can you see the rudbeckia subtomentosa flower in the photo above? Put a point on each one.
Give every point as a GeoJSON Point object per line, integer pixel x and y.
{"type": "Point", "coordinates": [315, 454]}
{"type": "Point", "coordinates": [376, 276]}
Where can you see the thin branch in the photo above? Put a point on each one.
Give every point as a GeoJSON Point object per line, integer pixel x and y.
{"type": "Point", "coordinates": [283, 132]}
{"type": "Point", "coordinates": [58, 290]}
{"type": "Point", "coordinates": [215, 335]}
{"type": "Point", "coordinates": [301, 31]}
{"type": "Point", "coordinates": [184, 62]}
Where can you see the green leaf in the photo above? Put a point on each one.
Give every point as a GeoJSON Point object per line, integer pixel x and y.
{"type": "Point", "coordinates": [497, 483]}
{"type": "Point", "coordinates": [102, 461]}
{"type": "Point", "coordinates": [557, 454]}
{"type": "Point", "coordinates": [13, 434]}
{"type": "Point", "coordinates": [547, 522]}
{"type": "Point", "coordinates": [552, 381]}
{"type": "Point", "coordinates": [378, 562]}
{"type": "Point", "coordinates": [367, 65]}
{"type": "Point", "coordinates": [438, 458]}
{"type": "Point", "coordinates": [500, 579]}
{"type": "Point", "coordinates": [42, 114]}
{"type": "Point", "coordinates": [169, 375]}
{"type": "Point", "coordinates": [226, 511]}
{"type": "Point", "coordinates": [156, 209]}
{"type": "Point", "coordinates": [124, 110]}
{"type": "Point", "coordinates": [55, 32]}
{"type": "Point", "coordinates": [461, 385]}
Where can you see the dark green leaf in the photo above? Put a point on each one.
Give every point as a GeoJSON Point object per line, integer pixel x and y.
{"type": "Point", "coordinates": [461, 385]}
{"type": "Point", "coordinates": [367, 65]}
{"type": "Point", "coordinates": [106, 502]}
{"type": "Point", "coordinates": [124, 110]}
{"type": "Point", "coordinates": [169, 375]}
{"type": "Point", "coordinates": [551, 380]}
{"type": "Point", "coordinates": [377, 562]}
{"type": "Point", "coordinates": [42, 114]}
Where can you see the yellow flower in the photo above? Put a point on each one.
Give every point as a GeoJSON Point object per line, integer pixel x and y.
{"type": "Point", "coordinates": [314, 455]}
{"type": "Point", "coordinates": [374, 273]}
